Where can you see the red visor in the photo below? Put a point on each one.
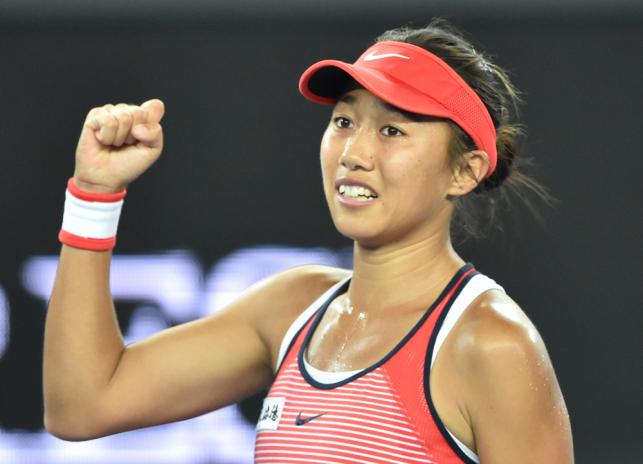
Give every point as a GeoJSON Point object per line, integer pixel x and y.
{"type": "Point", "coordinates": [410, 78]}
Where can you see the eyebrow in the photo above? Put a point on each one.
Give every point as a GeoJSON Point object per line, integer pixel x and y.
{"type": "Point", "coordinates": [415, 117]}
{"type": "Point", "coordinates": [346, 98]}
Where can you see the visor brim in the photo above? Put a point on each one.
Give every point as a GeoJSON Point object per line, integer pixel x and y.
{"type": "Point", "coordinates": [324, 82]}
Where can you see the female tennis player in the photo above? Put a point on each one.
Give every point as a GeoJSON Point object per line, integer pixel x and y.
{"type": "Point", "coordinates": [411, 357]}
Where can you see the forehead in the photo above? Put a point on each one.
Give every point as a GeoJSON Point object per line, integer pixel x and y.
{"type": "Point", "coordinates": [356, 94]}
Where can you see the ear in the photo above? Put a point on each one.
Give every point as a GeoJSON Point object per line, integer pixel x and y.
{"type": "Point", "coordinates": [469, 173]}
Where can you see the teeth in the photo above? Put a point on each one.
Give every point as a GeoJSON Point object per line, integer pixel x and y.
{"type": "Point", "coordinates": [355, 192]}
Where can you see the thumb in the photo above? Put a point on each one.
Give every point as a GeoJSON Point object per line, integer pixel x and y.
{"type": "Point", "coordinates": [155, 109]}
{"type": "Point", "coordinates": [149, 134]}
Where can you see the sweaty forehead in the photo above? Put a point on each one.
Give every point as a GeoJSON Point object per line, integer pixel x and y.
{"type": "Point", "coordinates": [351, 96]}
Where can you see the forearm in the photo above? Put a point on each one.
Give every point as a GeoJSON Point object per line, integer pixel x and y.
{"type": "Point", "coordinates": [83, 343]}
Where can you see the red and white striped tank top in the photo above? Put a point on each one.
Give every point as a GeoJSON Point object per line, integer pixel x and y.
{"type": "Point", "coordinates": [381, 414]}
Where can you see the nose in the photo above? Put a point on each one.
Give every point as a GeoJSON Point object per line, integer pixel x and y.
{"type": "Point", "coordinates": [358, 152]}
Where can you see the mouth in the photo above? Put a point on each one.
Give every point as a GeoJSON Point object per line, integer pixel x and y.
{"type": "Point", "coordinates": [354, 190]}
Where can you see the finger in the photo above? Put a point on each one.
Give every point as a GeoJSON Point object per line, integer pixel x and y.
{"type": "Point", "coordinates": [139, 117]}
{"type": "Point", "coordinates": [125, 118]}
{"type": "Point", "coordinates": [108, 125]}
{"type": "Point", "coordinates": [155, 109]}
{"type": "Point", "coordinates": [91, 120]}
{"type": "Point", "coordinates": [149, 134]}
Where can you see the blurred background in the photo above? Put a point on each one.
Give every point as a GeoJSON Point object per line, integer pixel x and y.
{"type": "Point", "coordinates": [237, 193]}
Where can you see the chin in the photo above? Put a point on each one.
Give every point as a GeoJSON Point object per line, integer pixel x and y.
{"type": "Point", "coordinates": [366, 227]}
{"type": "Point", "coordinates": [365, 236]}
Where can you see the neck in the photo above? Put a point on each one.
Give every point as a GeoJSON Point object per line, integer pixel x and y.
{"type": "Point", "coordinates": [405, 274]}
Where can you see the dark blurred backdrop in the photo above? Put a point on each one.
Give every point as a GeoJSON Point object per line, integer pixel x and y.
{"type": "Point", "coordinates": [240, 166]}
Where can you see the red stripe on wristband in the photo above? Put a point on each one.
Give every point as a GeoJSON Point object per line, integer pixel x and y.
{"type": "Point", "coordinates": [85, 243]}
{"type": "Point", "coordinates": [90, 196]}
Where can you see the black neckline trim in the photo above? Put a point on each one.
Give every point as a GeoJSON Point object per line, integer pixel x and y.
{"type": "Point", "coordinates": [294, 338]}
{"type": "Point", "coordinates": [291, 344]}
{"type": "Point", "coordinates": [322, 310]}
{"type": "Point", "coordinates": [427, 373]}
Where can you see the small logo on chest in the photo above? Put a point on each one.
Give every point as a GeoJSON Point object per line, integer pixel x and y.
{"type": "Point", "coordinates": [270, 413]}
{"type": "Point", "coordinates": [299, 420]}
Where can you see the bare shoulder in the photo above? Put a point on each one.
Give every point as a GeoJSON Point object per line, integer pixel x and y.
{"type": "Point", "coordinates": [302, 281]}
{"type": "Point", "coordinates": [274, 303]}
{"type": "Point", "coordinates": [499, 345]}
{"type": "Point", "coordinates": [513, 400]}
{"type": "Point", "coordinates": [295, 289]}
{"type": "Point", "coordinates": [493, 325]}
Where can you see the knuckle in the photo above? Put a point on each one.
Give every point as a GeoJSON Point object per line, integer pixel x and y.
{"type": "Point", "coordinates": [137, 111]}
{"type": "Point", "coordinates": [110, 121]}
{"type": "Point", "coordinates": [125, 117]}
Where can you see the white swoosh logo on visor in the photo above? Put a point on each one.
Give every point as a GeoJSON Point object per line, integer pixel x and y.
{"type": "Point", "coordinates": [372, 56]}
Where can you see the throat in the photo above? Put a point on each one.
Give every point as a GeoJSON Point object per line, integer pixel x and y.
{"type": "Point", "coordinates": [405, 277]}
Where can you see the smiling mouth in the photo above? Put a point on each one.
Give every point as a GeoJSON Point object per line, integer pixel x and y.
{"type": "Point", "coordinates": [356, 192]}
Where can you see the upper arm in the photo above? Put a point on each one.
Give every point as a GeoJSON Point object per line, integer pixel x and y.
{"type": "Point", "coordinates": [205, 364]}
{"type": "Point", "coordinates": [514, 402]}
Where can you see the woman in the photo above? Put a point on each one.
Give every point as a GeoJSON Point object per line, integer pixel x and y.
{"type": "Point", "coordinates": [411, 357]}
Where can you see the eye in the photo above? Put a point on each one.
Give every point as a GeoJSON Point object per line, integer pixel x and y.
{"type": "Point", "coordinates": [342, 122]}
{"type": "Point", "coordinates": [391, 131]}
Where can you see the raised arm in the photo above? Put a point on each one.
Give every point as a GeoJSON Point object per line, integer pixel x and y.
{"type": "Point", "coordinates": [93, 384]}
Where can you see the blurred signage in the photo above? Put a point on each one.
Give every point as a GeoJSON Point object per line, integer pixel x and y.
{"type": "Point", "coordinates": [166, 289]}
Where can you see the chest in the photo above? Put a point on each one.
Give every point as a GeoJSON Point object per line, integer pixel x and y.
{"type": "Point", "coordinates": [352, 340]}
{"type": "Point", "coordinates": [377, 414]}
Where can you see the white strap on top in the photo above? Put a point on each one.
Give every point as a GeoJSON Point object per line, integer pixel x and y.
{"type": "Point", "coordinates": [328, 377]}
{"type": "Point", "coordinates": [303, 318]}
{"type": "Point", "coordinates": [473, 289]}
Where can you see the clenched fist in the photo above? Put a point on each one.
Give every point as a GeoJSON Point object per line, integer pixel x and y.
{"type": "Point", "coordinates": [117, 144]}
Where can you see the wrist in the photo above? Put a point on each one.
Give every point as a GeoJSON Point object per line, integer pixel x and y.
{"type": "Point", "coordinates": [90, 219]}
{"type": "Point", "coordinates": [89, 187]}
{"type": "Point", "coordinates": [106, 196]}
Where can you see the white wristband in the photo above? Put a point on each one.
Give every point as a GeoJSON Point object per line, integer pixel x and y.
{"type": "Point", "coordinates": [91, 219]}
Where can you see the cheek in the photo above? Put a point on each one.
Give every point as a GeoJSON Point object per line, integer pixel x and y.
{"type": "Point", "coordinates": [324, 151]}
{"type": "Point", "coordinates": [328, 155]}
{"type": "Point", "coordinates": [419, 181]}
{"type": "Point", "coordinates": [407, 173]}
{"type": "Point", "coordinates": [328, 163]}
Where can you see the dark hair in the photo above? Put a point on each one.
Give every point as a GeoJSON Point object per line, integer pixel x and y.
{"type": "Point", "coordinates": [472, 213]}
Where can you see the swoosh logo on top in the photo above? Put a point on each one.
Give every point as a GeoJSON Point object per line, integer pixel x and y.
{"type": "Point", "coordinates": [372, 56]}
{"type": "Point", "coordinates": [304, 420]}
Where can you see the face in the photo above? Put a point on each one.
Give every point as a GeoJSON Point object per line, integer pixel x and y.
{"type": "Point", "coordinates": [386, 177]}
